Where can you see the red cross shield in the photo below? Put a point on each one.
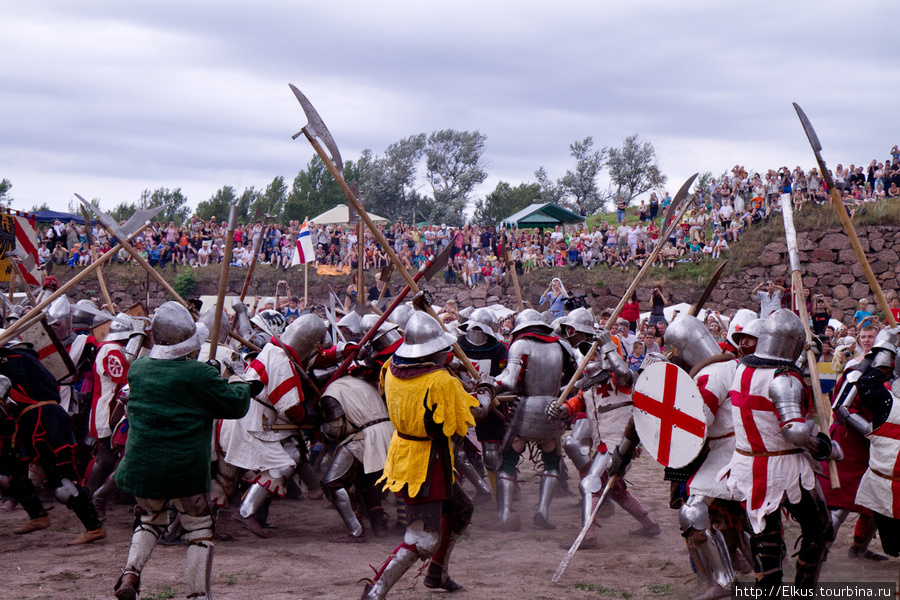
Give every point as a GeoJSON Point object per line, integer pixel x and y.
{"type": "Point", "coordinates": [668, 414]}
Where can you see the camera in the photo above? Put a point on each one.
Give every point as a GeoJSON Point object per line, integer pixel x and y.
{"type": "Point", "coordinates": [576, 301]}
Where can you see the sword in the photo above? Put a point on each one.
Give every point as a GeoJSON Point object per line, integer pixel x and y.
{"type": "Point", "coordinates": [577, 543]}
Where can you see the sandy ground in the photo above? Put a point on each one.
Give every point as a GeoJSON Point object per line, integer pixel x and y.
{"type": "Point", "coordinates": [298, 562]}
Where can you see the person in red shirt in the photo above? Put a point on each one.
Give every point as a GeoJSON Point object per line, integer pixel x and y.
{"type": "Point", "coordinates": [631, 312]}
{"type": "Point", "coordinates": [895, 308]}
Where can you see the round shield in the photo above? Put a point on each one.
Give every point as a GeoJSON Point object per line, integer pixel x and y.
{"type": "Point", "coordinates": [668, 414]}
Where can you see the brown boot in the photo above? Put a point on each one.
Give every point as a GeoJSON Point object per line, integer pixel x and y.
{"type": "Point", "coordinates": [128, 586]}
{"type": "Point", "coordinates": [34, 525]}
{"type": "Point", "coordinates": [91, 535]}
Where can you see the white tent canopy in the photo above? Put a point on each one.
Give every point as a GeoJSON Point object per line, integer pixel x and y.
{"type": "Point", "coordinates": [340, 215]}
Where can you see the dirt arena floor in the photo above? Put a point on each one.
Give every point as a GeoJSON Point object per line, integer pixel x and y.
{"type": "Point", "coordinates": [298, 562]}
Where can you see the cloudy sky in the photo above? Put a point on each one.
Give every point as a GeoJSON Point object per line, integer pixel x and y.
{"type": "Point", "coordinates": [109, 98]}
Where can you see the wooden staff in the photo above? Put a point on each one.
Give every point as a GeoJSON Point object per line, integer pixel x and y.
{"type": "Point", "coordinates": [35, 313]}
{"type": "Point", "coordinates": [360, 275]}
{"type": "Point", "coordinates": [223, 282]}
{"type": "Point", "coordinates": [845, 219]}
{"type": "Point", "coordinates": [612, 319]}
{"type": "Point", "coordinates": [520, 306]}
{"type": "Point", "coordinates": [414, 288]}
{"type": "Point", "coordinates": [823, 408]}
{"type": "Point", "coordinates": [103, 289]}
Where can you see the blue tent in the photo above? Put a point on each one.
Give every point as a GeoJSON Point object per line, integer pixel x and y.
{"type": "Point", "coordinates": [48, 216]}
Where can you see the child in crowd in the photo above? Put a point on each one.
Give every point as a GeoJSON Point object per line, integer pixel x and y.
{"type": "Point", "coordinates": [636, 357]}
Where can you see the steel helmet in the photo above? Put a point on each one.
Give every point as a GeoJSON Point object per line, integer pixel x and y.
{"type": "Point", "coordinates": [270, 321]}
{"type": "Point", "coordinates": [59, 316]}
{"type": "Point", "coordinates": [424, 337]}
{"type": "Point", "coordinates": [483, 320]}
{"type": "Point", "coordinates": [740, 320]}
{"type": "Point", "coordinates": [174, 332]}
{"type": "Point", "coordinates": [306, 335]}
{"type": "Point", "coordinates": [531, 318]}
{"type": "Point", "coordinates": [782, 337]}
{"type": "Point", "coordinates": [386, 335]}
{"type": "Point", "coordinates": [121, 328]}
{"type": "Point", "coordinates": [208, 318]}
{"type": "Point", "coordinates": [688, 342]}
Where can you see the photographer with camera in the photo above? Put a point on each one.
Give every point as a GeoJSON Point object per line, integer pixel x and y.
{"type": "Point", "coordinates": [557, 295]}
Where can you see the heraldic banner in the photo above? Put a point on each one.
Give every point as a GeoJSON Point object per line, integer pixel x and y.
{"type": "Point", "coordinates": [17, 231]}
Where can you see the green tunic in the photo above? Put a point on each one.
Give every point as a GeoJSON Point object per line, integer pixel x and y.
{"type": "Point", "coordinates": [171, 408]}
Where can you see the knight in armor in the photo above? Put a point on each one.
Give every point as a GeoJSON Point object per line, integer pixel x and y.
{"type": "Point", "coordinates": [537, 363]}
{"type": "Point", "coordinates": [427, 406]}
{"type": "Point", "coordinates": [485, 348]}
{"type": "Point", "coordinates": [601, 410]}
{"type": "Point", "coordinates": [710, 514]}
{"type": "Point", "coordinates": [34, 420]}
{"type": "Point", "coordinates": [383, 345]}
{"type": "Point", "coordinates": [117, 350]}
{"type": "Point", "coordinates": [273, 455]}
{"type": "Point", "coordinates": [774, 440]}
{"type": "Point", "coordinates": [879, 490]}
{"type": "Point", "coordinates": [852, 424]}
{"type": "Point", "coordinates": [356, 417]}
{"type": "Point", "coordinates": [174, 400]}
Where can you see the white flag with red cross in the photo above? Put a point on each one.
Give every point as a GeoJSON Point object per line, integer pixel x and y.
{"type": "Point", "coordinates": [668, 414]}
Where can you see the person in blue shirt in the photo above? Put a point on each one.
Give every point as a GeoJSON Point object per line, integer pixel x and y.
{"type": "Point", "coordinates": [863, 316]}
{"type": "Point", "coordinates": [556, 294]}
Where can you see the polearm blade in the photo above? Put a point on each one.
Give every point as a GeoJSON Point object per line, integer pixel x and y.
{"type": "Point", "coordinates": [679, 198]}
{"type": "Point", "coordinates": [314, 129]}
{"type": "Point", "coordinates": [845, 218]}
{"type": "Point", "coordinates": [427, 272]}
{"type": "Point", "coordinates": [577, 543]}
{"type": "Point", "coordinates": [823, 408]}
{"type": "Point", "coordinates": [713, 281]}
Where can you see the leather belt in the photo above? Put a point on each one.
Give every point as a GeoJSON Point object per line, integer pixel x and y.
{"type": "Point", "coordinates": [722, 437]}
{"type": "Point", "coordinates": [763, 454]}
{"type": "Point", "coordinates": [36, 405]}
{"type": "Point", "coordinates": [412, 438]}
{"type": "Point", "coordinates": [885, 475]}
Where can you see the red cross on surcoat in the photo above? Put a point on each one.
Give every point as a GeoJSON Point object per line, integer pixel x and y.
{"type": "Point", "coordinates": [669, 416]}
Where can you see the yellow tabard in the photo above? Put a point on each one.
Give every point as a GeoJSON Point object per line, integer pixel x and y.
{"type": "Point", "coordinates": [407, 460]}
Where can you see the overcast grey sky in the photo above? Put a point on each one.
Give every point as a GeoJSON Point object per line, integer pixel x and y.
{"type": "Point", "coordinates": [108, 98]}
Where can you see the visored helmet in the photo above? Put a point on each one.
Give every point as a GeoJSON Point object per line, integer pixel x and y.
{"type": "Point", "coordinates": [481, 326]}
{"type": "Point", "coordinates": [270, 321]}
{"type": "Point", "coordinates": [738, 322]}
{"type": "Point", "coordinates": [80, 318]}
{"type": "Point", "coordinates": [121, 328]}
{"type": "Point", "coordinates": [782, 337]}
{"type": "Point", "coordinates": [305, 336]}
{"type": "Point", "coordinates": [386, 335]}
{"type": "Point", "coordinates": [688, 342]}
{"type": "Point", "coordinates": [351, 322]}
{"type": "Point", "coordinates": [424, 337]}
{"type": "Point", "coordinates": [59, 316]}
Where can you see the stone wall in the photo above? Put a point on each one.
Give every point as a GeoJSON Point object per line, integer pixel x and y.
{"type": "Point", "coordinates": [828, 262]}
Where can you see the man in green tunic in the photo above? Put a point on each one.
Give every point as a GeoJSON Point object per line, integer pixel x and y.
{"type": "Point", "coordinates": [172, 404]}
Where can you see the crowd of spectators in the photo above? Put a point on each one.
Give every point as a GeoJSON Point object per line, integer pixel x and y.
{"type": "Point", "coordinates": [718, 216]}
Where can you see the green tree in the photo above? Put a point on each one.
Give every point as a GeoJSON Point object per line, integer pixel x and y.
{"type": "Point", "coordinates": [550, 190]}
{"type": "Point", "coordinates": [504, 201]}
{"type": "Point", "coordinates": [314, 191]}
{"type": "Point", "coordinates": [177, 209]}
{"type": "Point", "coordinates": [39, 208]}
{"type": "Point", "coordinates": [634, 168]}
{"type": "Point", "coordinates": [454, 166]}
{"type": "Point", "coordinates": [218, 205]}
{"type": "Point", "coordinates": [123, 211]}
{"type": "Point", "coordinates": [388, 183]}
{"type": "Point", "coordinates": [580, 185]}
{"type": "Point", "coordinates": [5, 198]}
{"type": "Point", "coordinates": [273, 199]}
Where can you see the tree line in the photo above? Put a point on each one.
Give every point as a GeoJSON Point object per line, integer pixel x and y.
{"type": "Point", "coordinates": [421, 178]}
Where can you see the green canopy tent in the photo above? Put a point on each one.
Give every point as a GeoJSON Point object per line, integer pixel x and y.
{"type": "Point", "coordinates": [545, 215]}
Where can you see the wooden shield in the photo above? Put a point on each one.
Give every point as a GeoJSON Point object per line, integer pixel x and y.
{"type": "Point", "coordinates": [668, 414]}
{"type": "Point", "coordinates": [50, 350]}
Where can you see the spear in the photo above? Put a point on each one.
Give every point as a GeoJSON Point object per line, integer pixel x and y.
{"type": "Point", "coordinates": [223, 282]}
{"type": "Point", "coordinates": [679, 198]}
